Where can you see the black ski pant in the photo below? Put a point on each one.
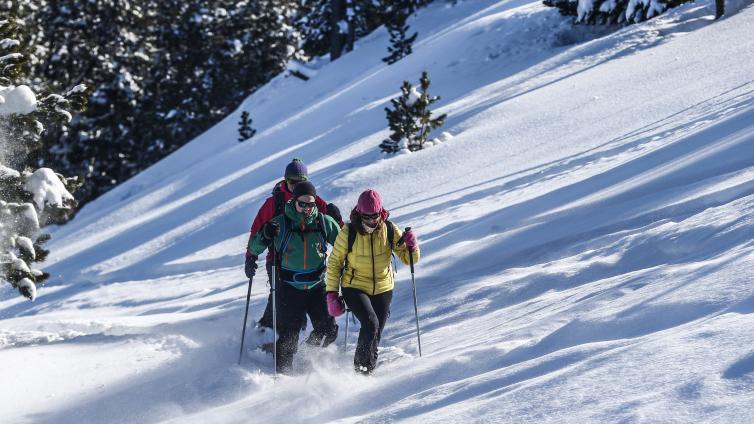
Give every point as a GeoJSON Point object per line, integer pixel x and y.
{"type": "Point", "coordinates": [372, 312]}
{"type": "Point", "coordinates": [320, 329]}
{"type": "Point", "coordinates": [292, 307]}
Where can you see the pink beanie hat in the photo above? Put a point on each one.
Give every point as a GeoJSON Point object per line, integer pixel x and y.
{"type": "Point", "coordinates": [369, 202]}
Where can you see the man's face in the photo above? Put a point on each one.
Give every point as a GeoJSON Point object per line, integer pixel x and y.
{"type": "Point", "coordinates": [305, 204]}
{"type": "Point", "coordinates": [290, 182]}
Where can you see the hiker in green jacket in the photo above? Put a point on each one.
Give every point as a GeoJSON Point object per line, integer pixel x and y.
{"type": "Point", "coordinates": [299, 237]}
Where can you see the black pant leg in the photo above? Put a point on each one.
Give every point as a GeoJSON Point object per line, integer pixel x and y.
{"type": "Point", "coordinates": [381, 306]}
{"type": "Point", "coordinates": [266, 319]}
{"type": "Point", "coordinates": [372, 313]}
{"type": "Point", "coordinates": [287, 345]}
{"type": "Point", "coordinates": [290, 310]}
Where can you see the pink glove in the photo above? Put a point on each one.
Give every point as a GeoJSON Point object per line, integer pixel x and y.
{"type": "Point", "coordinates": [335, 305]}
{"type": "Point", "coordinates": [410, 239]}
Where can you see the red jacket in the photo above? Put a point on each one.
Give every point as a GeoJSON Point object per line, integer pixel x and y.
{"type": "Point", "coordinates": [267, 211]}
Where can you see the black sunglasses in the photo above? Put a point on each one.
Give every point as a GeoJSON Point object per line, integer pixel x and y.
{"type": "Point", "coordinates": [294, 181]}
{"type": "Point", "coordinates": [370, 216]}
{"type": "Point", "coordinates": [304, 205]}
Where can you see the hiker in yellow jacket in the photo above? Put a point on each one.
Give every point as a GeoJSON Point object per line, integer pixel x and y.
{"type": "Point", "coordinates": [360, 266]}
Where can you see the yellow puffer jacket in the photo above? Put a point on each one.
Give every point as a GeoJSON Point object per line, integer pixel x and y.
{"type": "Point", "coordinates": [369, 267]}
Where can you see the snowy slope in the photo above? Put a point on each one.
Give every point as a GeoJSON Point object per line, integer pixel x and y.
{"type": "Point", "coordinates": [586, 237]}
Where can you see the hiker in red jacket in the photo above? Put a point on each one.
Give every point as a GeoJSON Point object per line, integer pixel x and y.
{"type": "Point", "coordinates": [274, 205]}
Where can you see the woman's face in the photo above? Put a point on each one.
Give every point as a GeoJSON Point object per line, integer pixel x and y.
{"type": "Point", "coordinates": [305, 204]}
{"type": "Point", "coordinates": [371, 220]}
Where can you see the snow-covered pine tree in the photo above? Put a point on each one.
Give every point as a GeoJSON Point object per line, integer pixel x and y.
{"type": "Point", "coordinates": [608, 12]}
{"type": "Point", "coordinates": [25, 131]}
{"type": "Point", "coordinates": [28, 200]}
{"type": "Point", "coordinates": [411, 120]}
{"type": "Point", "coordinates": [245, 131]}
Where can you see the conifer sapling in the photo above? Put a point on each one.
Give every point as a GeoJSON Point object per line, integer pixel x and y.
{"type": "Point", "coordinates": [410, 119]}
{"type": "Point", "coordinates": [245, 131]}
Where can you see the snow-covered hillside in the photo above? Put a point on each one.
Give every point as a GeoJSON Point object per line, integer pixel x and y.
{"type": "Point", "coordinates": [587, 239]}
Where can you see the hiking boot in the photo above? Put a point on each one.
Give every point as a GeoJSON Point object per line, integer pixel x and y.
{"type": "Point", "coordinates": [363, 370]}
{"type": "Point", "coordinates": [316, 338]}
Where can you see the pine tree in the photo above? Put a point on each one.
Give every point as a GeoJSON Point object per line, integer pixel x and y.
{"type": "Point", "coordinates": [411, 120]}
{"type": "Point", "coordinates": [28, 200]}
{"type": "Point", "coordinates": [245, 131]}
{"type": "Point", "coordinates": [609, 12]}
{"type": "Point", "coordinates": [26, 127]}
{"type": "Point", "coordinates": [164, 71]}
{"type": "Point", "coordinates": [400, 44]}
{"type": "Point", "coordinates": [394, 15]}
{"type": "Point", "coordinates": [333, 26]}
{"type": "Point", "coordinates": [103, 44]}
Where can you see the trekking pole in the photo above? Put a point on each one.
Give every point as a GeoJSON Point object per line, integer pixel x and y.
{"type": "Point", "coordinates": [413, 281]}
{"type": "Point", "coordinates": [274, 313]}
{"type": "Point", "coordinates": [345, 345]}
{"type": "Point", "coordinates": [243, 331]}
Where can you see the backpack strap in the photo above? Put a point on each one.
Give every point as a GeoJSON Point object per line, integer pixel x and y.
{"type": "Point", "coordinates": [322, 232]}
{"type": "Point", "coordinates": [351, 241]}
{"type": "Point", "coordinates": [351, 238]}
{"type": "Point", "coordinates": [390, 233]}
{"type": "Point", "coordinates": [279, 196]}
{"type": "Point", "coordinates": [286, 234]}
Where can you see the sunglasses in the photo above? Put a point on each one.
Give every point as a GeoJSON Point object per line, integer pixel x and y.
{"type": "Point", "coordinates": [305, 205]}
{"type": "Point", "coordinates": [292, 181]}
{"type": "Point", "coordinates": [370, 216]}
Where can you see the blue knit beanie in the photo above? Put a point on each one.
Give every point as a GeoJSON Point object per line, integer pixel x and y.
{"type": "Point", "coordinates": [296, 170]}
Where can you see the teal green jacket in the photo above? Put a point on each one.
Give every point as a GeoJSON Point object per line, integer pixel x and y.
{"type": "Point", "coordinates": [300, 247]}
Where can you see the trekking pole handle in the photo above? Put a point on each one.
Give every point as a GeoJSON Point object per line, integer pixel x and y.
{"type": "Point", "coordinates": [403, 236]}
{"type": "Point", "coordinates": [410, 254]}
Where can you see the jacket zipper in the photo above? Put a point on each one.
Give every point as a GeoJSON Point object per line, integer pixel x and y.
{"type": "Point", "coordinates": [374, 274]}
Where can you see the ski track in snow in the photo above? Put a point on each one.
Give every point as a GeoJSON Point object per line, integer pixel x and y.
{"type": "Point", "coordinates": [586, 240]}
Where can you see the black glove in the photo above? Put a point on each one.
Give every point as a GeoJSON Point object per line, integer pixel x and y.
{"type": "Point", "coordinates": [270, 230]}
{"type": "Point", "coordinates": [334, 212]}
{"type": "Point", "coordinates": [251, 266]}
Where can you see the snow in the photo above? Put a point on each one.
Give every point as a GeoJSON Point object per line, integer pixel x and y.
{"type": "Point", "coordinates": [20, 265]}
{"type": "Point", "coordinates": [26, 245]}
{"type": "Point", "coordinates": [586, 239]}
{"type": "Point", "coordinates": [47, 189]}
{"type": "Point", "coordinates": [17, 100]}
{"type": "Point", "coordinates": [6, 172]}
{"type": "Point", "coordinates": [28, 285]}
{"type": "Point", "coordinates": [413, 96]}
{"type": "Point", "coordinates": [8, 43]}
{"type": "Point", "coordinates": [80, 88]}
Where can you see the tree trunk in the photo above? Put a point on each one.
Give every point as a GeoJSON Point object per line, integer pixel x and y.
{"type": "Point", "coordinates": [337, 40]}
